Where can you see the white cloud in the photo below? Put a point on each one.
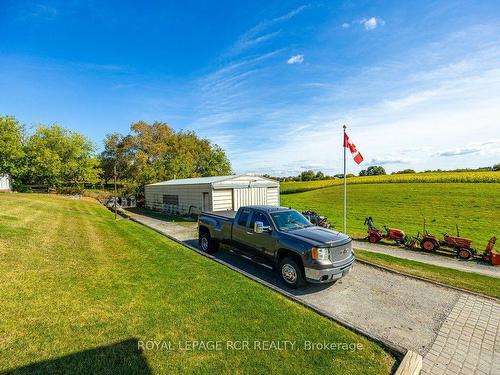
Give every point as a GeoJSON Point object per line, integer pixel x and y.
{"type": "Point", "coordinates": [296, 59]}
{"type": "Point", "coordinates": [459, 152]}
{"type": "Point", "coordinates": [372, 23]}
{"type": "Point", "coordinates": [253, 36]}
{"type": "Point", "coordinates": [346, 25]}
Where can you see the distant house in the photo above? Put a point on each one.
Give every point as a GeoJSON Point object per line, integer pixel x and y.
{"type": "Point", "coordinates": [219, 193]}
{"type": "Point", "coordinates": [5, 184]}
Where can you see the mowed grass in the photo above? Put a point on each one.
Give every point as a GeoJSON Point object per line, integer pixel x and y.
{"type": "Point", "coordinates": [488, 286]}
{"type": "Point", "coordinates": [431, 177]}
{"type": "Point", "coordinates": [79, 291]}
{"type": "Point", "coordinates": [474, 207]}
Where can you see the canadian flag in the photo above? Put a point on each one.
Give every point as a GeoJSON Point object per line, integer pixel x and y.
{"type": "Point", "coordinates": [358, 158]}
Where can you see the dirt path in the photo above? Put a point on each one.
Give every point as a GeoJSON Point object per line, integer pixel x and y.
{"type": "Point", "coordinates": [443, 260]}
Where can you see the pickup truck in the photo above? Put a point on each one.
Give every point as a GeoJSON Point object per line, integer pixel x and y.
{"type": "Point", "coordinates": [281, 238]}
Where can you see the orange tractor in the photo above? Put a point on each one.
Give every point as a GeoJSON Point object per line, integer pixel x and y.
{"type": "Point", "coordinates": [375, 234]}
{"type": "Point", "coordinates": [459, 245]}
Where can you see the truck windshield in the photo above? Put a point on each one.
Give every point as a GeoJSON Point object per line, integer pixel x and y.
{"type": "Point", "coordinates": [290, 220]}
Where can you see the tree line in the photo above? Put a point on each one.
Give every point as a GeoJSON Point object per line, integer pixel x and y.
{"type": "Point", "coordinates": [57, 157]}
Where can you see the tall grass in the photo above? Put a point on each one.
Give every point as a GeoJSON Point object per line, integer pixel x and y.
{"type": "Point", "coordinates": [432, 177]}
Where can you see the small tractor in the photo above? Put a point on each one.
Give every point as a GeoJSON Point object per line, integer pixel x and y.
{"type": "Point", "coordinates": [459, 245]}
{"type": "Point", "coordinates": [375, 234]}
{"type": "Point", "coordinates": [316, 219]}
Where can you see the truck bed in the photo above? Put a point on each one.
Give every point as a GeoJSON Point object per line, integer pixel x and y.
{"type": "Point", "coordinates": [222, 214]}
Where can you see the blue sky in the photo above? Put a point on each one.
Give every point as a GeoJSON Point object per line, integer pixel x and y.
{"type": "Point", "coordinates": [417, 83]}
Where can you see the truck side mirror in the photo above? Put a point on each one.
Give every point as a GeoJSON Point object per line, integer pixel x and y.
{"type": "Point", "coordinates": [258, 227]}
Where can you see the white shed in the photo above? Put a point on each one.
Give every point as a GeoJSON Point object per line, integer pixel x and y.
{"type": "Point", "coordinates": [220, 193]}
{"type": "Point", "coordinates": [5, 182]}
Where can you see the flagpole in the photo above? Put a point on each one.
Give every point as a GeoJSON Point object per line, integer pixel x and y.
{"type": "Point", "coordinates": [345, 185]}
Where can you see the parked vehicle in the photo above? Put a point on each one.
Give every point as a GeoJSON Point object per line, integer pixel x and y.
{"type": "Point", "coordinates": [459, 245]}
{"type": "Point", "coordinates": [280, 238]}
{"type": "Point", "coordinates": [316, 219]}
{"type": "Point", "coordinates": [375, 234]}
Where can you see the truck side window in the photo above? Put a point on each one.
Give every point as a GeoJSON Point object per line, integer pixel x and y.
{"type": "Point", "coordinates": [259, 216]}
{"type": "Point", "coordinates": [243, 218]}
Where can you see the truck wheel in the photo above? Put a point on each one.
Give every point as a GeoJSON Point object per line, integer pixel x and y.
{"type": "Point", "coordinates": [207, 244]}
{"type": "Point", "coordinates": [464, 254]}
{"type": "Point", "coordinates": [428, 245]}
{"type": "Point", "coordinates": [291, 273]}
{"type": "Point", "coordinates": [373, 239]}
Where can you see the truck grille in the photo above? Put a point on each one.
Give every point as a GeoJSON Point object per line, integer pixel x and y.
{"type": "Point", "coordinates": [340, 253]}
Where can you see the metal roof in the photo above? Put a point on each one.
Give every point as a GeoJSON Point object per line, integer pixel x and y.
{"type": "Point", "coordinates": [191, 181]}
{"type": "Point", "coordinates": [203, 180]}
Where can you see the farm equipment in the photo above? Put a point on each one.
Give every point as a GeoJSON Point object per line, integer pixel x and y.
{"type": "Point", "coordinates": [375, 234]}
{"type": "Point", "coordinates": [316, 219]}
{"type": "Point", "coordinates": [459, 245]}
{"type": "Point", "coordinates": [490, 254]}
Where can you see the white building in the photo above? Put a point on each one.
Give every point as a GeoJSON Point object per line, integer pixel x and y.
{"type": "Point", "coordinates": [5, 182]}
{"type": "Point", "coordinates": [220, 193]}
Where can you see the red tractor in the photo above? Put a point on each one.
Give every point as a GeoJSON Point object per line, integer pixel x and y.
{"type": "Point", "coordinates": [461, 246]}
{"type": "Point", "coordinates": [375, 234]}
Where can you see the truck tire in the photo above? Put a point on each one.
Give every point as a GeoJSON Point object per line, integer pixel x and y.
{"type": "Point", "coordinates": [291, 273]}
{"type": "Point", "coordinates": [207, 244]}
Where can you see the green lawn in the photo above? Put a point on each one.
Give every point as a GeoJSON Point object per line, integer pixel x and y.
{"type": "Point", "coordinates": [78, 291]}
{"type": "Point", "coordinates": [466, 280]}
{"type": "Point", "coordinates": [474, 206]}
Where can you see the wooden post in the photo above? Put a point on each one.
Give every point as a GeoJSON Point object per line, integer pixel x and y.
{"type": "Point", "coordinates": [116, 192]}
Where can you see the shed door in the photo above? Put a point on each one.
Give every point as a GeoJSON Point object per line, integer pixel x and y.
{"type": "Point", "coordinates": [206, 202]}
{"type": "Point", "coordinates": [249, 196]}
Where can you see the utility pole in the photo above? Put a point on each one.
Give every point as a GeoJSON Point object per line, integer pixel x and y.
{"type": "Point", "coordinates": [116, 192]}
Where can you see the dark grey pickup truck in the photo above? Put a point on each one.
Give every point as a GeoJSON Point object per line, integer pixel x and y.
{"type": "Point", "coordinates": [281, 238]}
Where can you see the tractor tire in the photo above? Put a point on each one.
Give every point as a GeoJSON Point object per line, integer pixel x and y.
{"type": "Point", "coordinates": [428, 245]}
{"type": "Point", "coordinates": [373, 239]}
{"type": "Point", "coordinates": [464, 254]}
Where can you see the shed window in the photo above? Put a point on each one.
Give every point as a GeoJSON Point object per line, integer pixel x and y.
{"type": "Point", "coordinates": [171, 199]}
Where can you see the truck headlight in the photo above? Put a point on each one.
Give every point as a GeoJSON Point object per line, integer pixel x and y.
{"type": "Point", "coordinates": [320, 253]}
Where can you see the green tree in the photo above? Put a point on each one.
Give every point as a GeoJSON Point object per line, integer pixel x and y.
{"type": "Point", "coordinates": [11, 147]}
{"type": "Point", "coordinates": [496, 167]}
{"type": "Point", "coordinates": [319, 176]}
{"type": "Point", "coordinates": [307, 175]}
{"type": "Point", "coordinates": [406, 171]}
{"type": "Point", "coordinates": [155, 152]}
{"type": "Point", "coordinates": [56, 156]}
{"type": "Point", "coordinates": [117, 152]}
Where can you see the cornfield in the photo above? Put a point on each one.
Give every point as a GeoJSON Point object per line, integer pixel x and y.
{"type": "Point", "coordinates": [436, 177]}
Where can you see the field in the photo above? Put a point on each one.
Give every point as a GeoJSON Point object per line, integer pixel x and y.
{"type": "Point", "coordinates": [475, 207]}
{"type": "Point", "coordinates": [443, 177]}
{"type": "Point", "coordinates": [80, 291]}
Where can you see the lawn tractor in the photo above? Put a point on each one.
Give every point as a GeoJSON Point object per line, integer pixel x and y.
{"type": "Point", "coordinates": [375, 234]}
{"type": "Point", "coordinates": [316, 219]}
{"type": "Point", "coordinates": [459, 245]}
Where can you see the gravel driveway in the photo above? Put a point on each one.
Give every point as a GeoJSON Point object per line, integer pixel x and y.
{"type": "Point", "coordinates": [407, 312]}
